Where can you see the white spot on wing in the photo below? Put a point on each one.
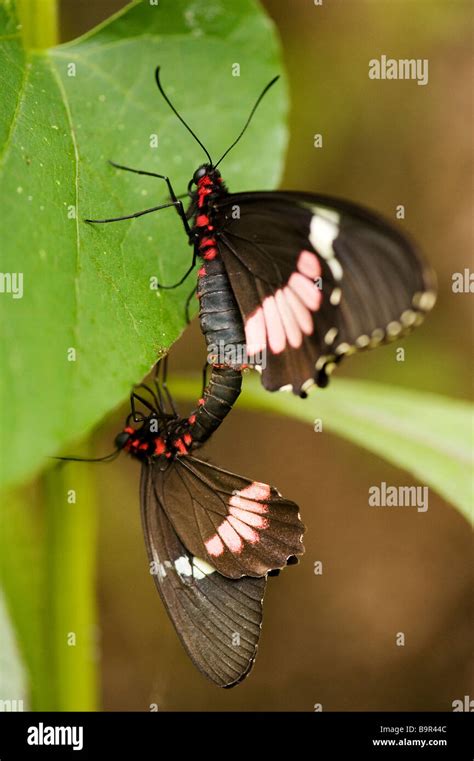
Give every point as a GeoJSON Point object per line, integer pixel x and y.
{"type": "Point", "coordinates": [183, 566]}
{"type": "Point", "coordinates": [377, 336]}
{"type": "Point", "coordinates": [202, 568]}
{"type": "Point", "coordinates": [343, 348]}
{"type": "Point", "coordinates": [408, 317]}
{"type": "Point", "coordinates": [362, 341]}
{"type": "Point", "coordinates": [199, 567]}
{"type": "Point", "coordinates": [394, 328]}
{"type": "Point", "coordinates": [321, 361]}
{"type": "Point", "coordinates": [329, 214]}
{"type": "Point", "coordinates": [330, 335]}
{"type": "Point", "coordinates": [427, 301]}
{"type": "Point", "coordinates": [335, 267]}
{"type": "Point", "coordinates": [323, 232]}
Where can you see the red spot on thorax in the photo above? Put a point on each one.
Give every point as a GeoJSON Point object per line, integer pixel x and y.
{"type": "Point", "coordinates": [202, 220]}
{"type": "Point", "coordinates": [159, 446]}
{"type": "Point", "coordinates": [210, 254]}
{"type": "Point", "coordinates": [187, 438]}
{"type": "Point", "coordinates": [200, 402]}
{"type": "Point", "coordinates": [180, 446]}
{"type": "Point", "coordinates": [201, 272]}
{"type": "Point", "coordinates": [192, 419]}
{"type": "Point", "coordinates": [207, 242]}
{"type": "Point", "coordinates": [203, 190]}
{"type": "Point", "coordinates": [128, 429]}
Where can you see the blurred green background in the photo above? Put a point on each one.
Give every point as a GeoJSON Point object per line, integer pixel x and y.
{"type": "Point", "coordinates": [331, 638]}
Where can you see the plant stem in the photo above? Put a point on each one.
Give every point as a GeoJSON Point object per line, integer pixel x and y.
{"type": "Point", "coordinates": [40, 23]}
{"type": "Point", "coordinates": [71, 529]}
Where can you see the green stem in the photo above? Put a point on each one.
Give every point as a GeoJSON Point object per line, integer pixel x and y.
{"type": "Point", "coordinates": [71, 531]}
{"type": "Point", "coordinates": [39, 23]}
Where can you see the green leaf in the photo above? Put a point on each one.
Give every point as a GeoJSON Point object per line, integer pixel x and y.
{"type": "Point", "coordinates": [428, 435]}
{"type": "Point", "coordinates": [64, 112]}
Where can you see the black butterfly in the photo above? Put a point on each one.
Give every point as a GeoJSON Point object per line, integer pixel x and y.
{"type": "Point", "coordinates": [293, 282]}
{"type": "Point", "coordinates": [212, 537]}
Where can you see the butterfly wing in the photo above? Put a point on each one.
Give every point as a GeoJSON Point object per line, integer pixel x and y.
{"type": "Point", "coordinates": [217, 619]}
{"type": "Point", "coordinates": [317, 279]}
{"type": "Point", "coordinates": [241, 527]}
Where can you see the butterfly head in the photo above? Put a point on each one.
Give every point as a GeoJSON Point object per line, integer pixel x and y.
{"type": "Point", "coordinates": [156, 436]}
{"type": "Point", "coordinates": [206, 174]}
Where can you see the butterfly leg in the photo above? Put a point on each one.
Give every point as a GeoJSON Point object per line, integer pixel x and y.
{"type": "Point", "coordinates": [204, 379]}
{"type": "Point", "coordinates": [164, 385]}
{"type": "Point", "coordinates": [181, 281]}
{"type": "Point", "coordinates": [134, 398]}
{"type": "Point", "coordinates": [132, 216]}
{"type": "Point", "coordinates": [155, 399]}
{"type": "Point", "coordinates": [175, 200]}
{"type": "Point", "coordinates": [188, 303]}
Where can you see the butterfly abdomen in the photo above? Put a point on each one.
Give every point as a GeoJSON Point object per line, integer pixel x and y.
{"type": "Point", "coordinates": [219, 315]}
{"type": "Point", "coordinates": [218, 399]}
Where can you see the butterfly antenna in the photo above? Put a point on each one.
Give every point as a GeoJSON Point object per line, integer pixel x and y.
{"type": "Point", "coordinates": [260, 97]}
{"type": "Point", "coordinates": [107, 458]}
{"type": "Point", "coordinates": [160, 88]}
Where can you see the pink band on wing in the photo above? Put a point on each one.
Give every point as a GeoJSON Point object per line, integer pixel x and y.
{"type": "Point", "coordinates": [244, 530]}
{"type": "Point", "coordinates": [248, 504]}
{"type": "Point", "coordinates": [214, 546]}
{"type": "Point", "coordinates": [308, 264]}
{"type": "Point", "coordinates": [274, 326]}
{"type": "Point", "coordinates": [255, 490]}
{"type": "Point", "coordinates": [249, 517]}
{"type": "Point", "coordinates": [301, 312]}
{"type": "Point", "coordinates": [290, 324]}
{"type": "Point", "coordinates": [255, 335]}
{"type": "Point", "coordinates": [230, 537]}
{"type": "Point", "coordinates": [309, 294]}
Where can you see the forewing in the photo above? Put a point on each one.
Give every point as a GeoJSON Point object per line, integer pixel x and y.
{"type": "Point", "coordinates": [317, 279]}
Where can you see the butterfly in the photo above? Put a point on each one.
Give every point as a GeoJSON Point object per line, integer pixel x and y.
{"type": "Point", "coordinates": [212, 537]}
{"type": "Point", "coordinates": [292, 282]}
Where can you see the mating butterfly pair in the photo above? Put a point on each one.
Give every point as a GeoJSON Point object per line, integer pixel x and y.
{"type": "Point", "coordinates": [302, 281]}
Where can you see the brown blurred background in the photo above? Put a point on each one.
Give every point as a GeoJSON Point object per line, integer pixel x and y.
{"type": "Point", "coordinates": [331, 638]}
